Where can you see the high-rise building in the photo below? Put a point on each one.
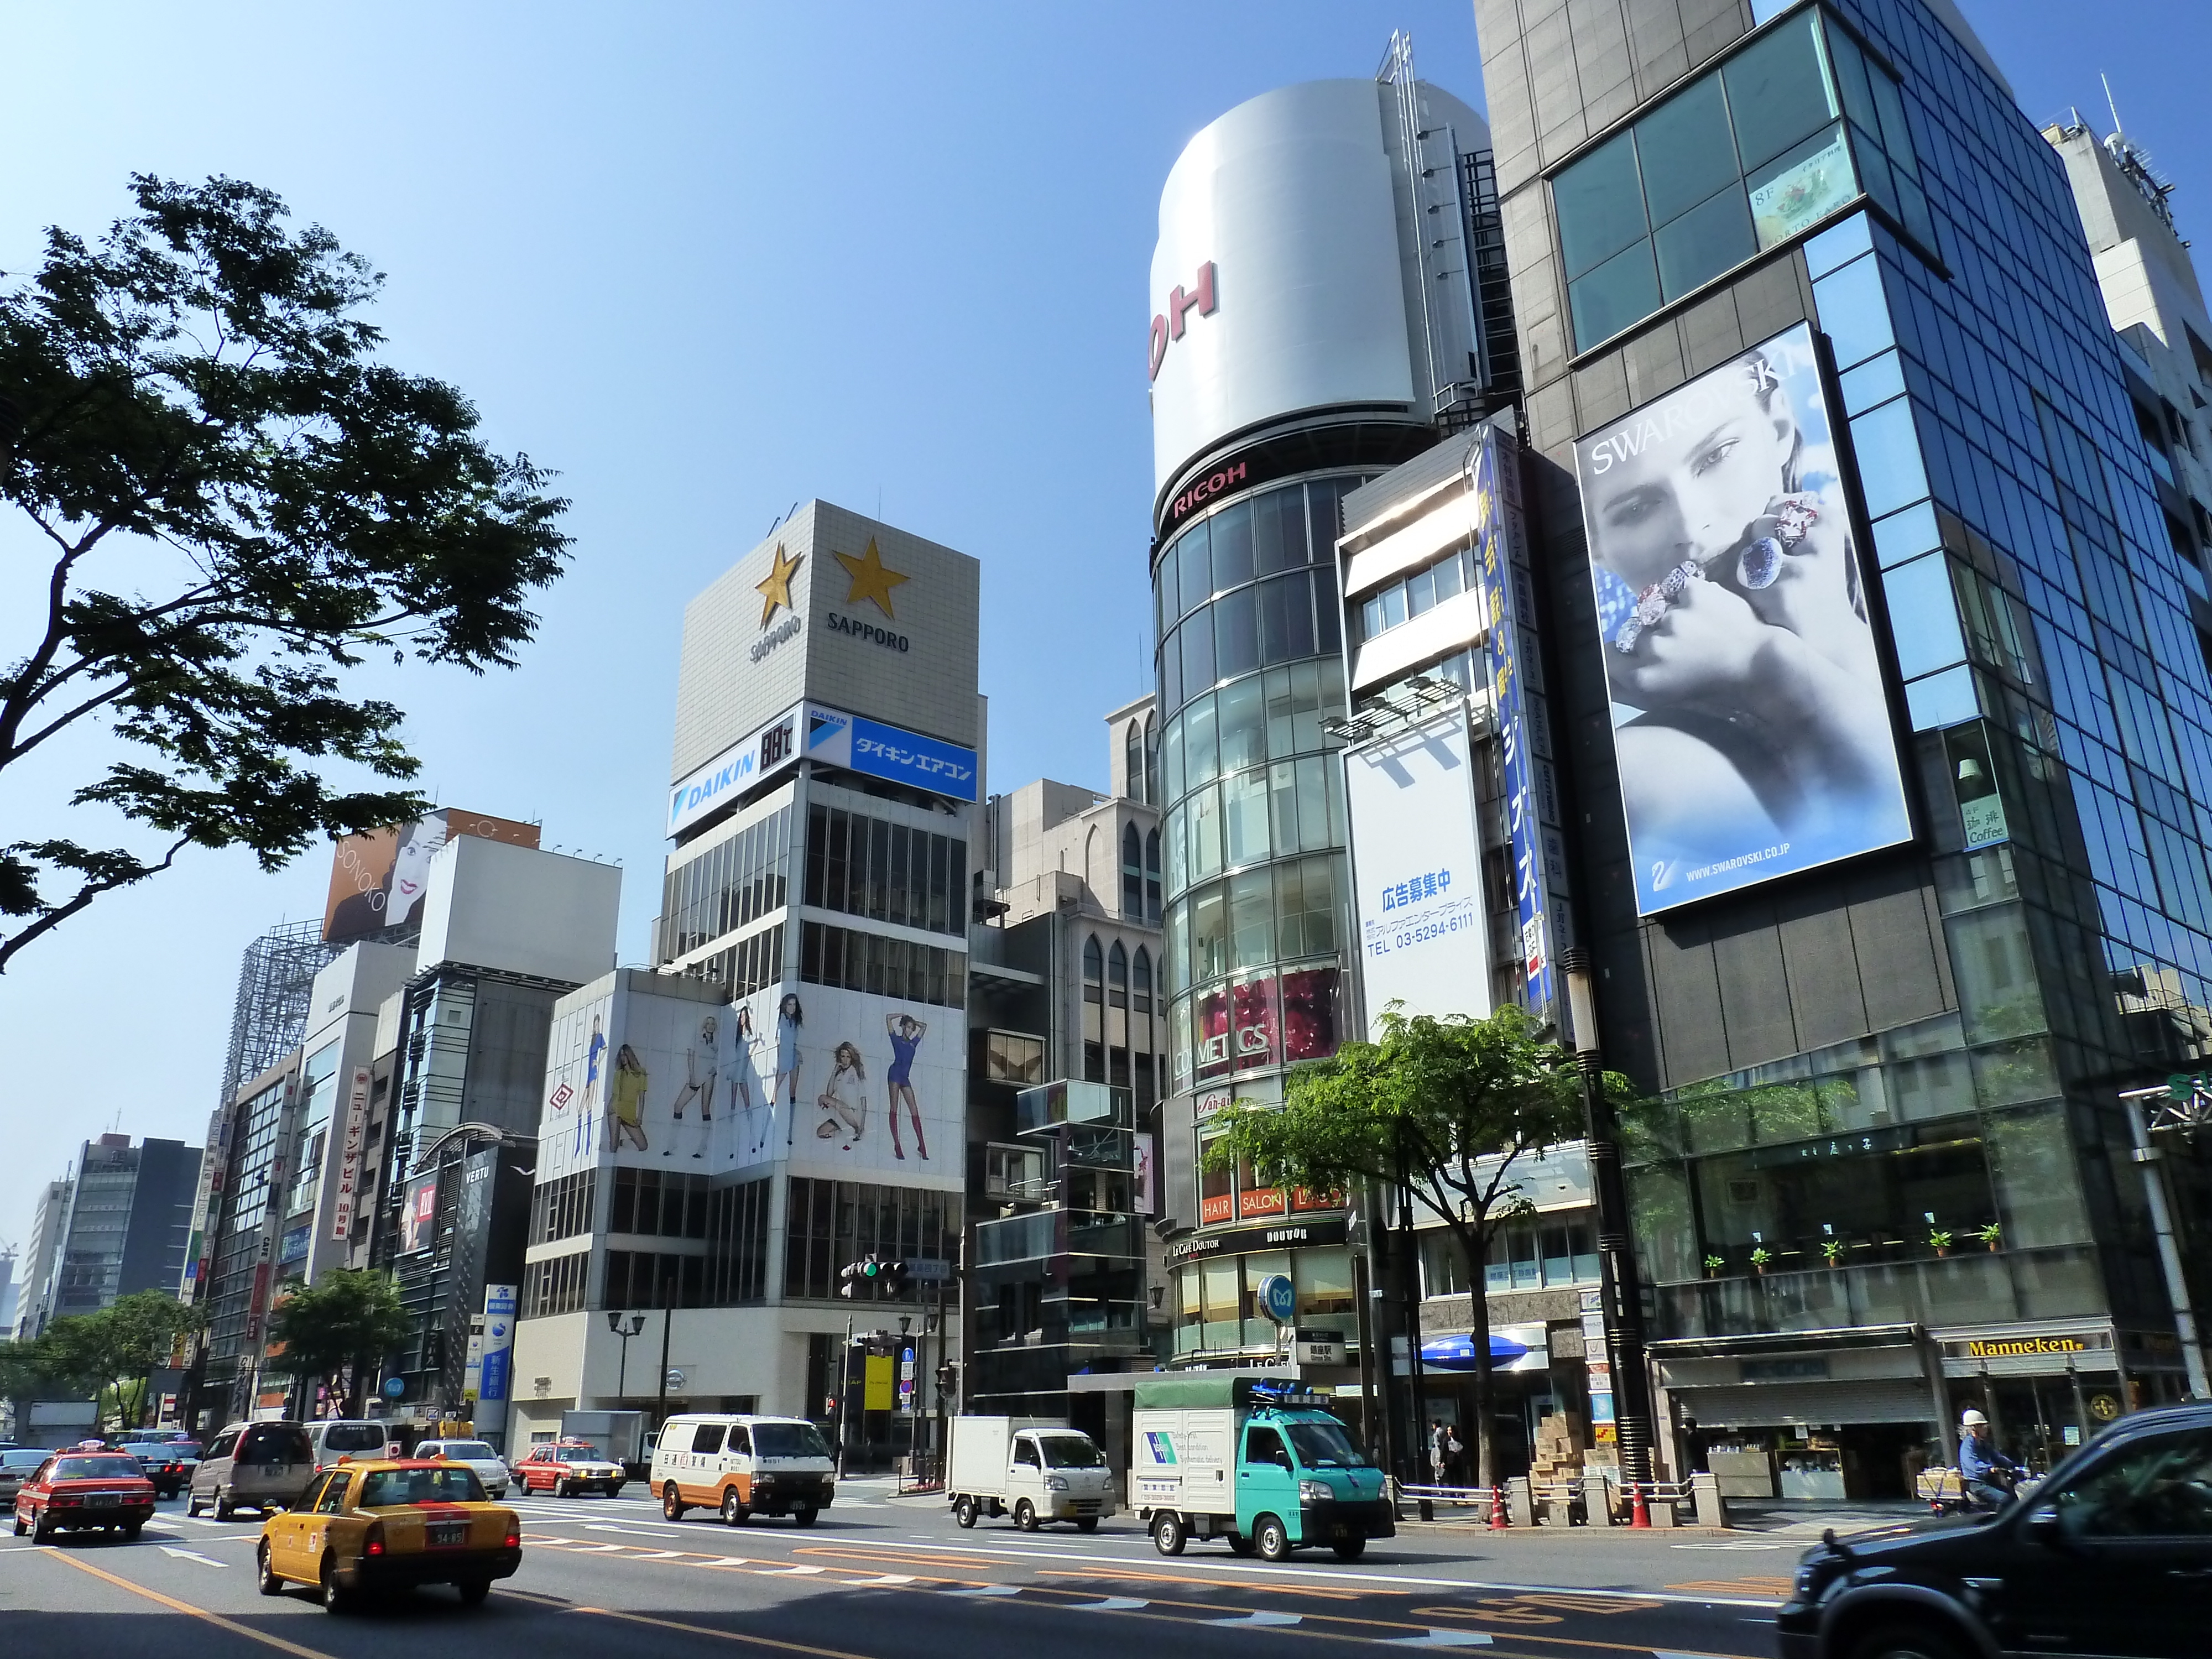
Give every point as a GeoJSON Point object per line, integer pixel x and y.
{"type": "Point", "coordinates": [783, 1094]}
{"type": "Point", "coordinates": [118, 1225]}
{"type": "Point", "coordinates": [1329, 302]}
{"type": "Point", "coordinates": [36, 1265]}
{"type": "Point", "coordinates": [1879, 713]}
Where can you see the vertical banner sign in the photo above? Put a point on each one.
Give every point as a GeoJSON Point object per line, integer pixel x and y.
{"type": "Point", "coordinates": [498, 1341]}
{"type": "Point", "coordinates": [356, 1133]}
{"type": "Point", "coordinates": [1532, 796]}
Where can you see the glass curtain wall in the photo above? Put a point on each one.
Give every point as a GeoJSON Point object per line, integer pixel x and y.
{"type": "Point", "coordinates": [1251, 856]}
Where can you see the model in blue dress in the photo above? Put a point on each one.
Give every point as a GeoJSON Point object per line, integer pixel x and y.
{"type": "Point", "coordinates": [906, 1034]}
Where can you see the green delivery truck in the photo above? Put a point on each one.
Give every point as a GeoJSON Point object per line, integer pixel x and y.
{"type": "Point", "coordinates": [1253, 1461]}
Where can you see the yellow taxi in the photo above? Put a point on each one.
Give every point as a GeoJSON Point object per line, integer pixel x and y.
{"type": "Point", "coordinates": [391, 1523]}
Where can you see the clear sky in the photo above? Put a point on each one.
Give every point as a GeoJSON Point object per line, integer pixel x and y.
{"type": "Point", "coordinates": [705, 260]}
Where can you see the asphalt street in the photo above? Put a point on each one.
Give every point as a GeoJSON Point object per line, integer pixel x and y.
{"type": "Point", "coordinates": [885, 1577]}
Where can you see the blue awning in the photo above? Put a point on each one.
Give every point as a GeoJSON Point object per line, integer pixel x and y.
{"type": "Point", "coordinates": [1456, 1354]}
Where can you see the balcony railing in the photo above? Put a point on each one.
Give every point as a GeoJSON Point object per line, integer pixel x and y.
{"type": "Point", "coordinates": [1977, 1287]}
{"type": "Point", "coordinates": [1058, 1232]}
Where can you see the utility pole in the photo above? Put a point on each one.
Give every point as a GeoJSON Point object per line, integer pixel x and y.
{"type": "Point", "coordinates": [667, 1318]}
{"type": "Point", "coordinates": [1621, 1288]}
{"type": "Point", "coordinates": [2182, 1103]}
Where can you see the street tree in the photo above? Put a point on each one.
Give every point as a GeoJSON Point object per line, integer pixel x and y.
{"type": "Point", "coordinates": [1442, 1111]}
{"type": "Point", "coordinates": [341, 1324]}
{"type": "Point", "coordinates": [112, 1352]}
{"type": "Point", "coordinates": [224, 500]}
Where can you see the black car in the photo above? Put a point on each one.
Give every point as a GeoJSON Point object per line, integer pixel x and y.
{"type": "Point", "coordinates": [2111, 1556]}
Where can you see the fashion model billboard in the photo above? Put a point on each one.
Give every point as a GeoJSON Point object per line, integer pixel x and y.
{"type": "Point", "coordinates": [1749, 715]}
{"type": "Point", "coordinates": [1417, 865]}
{"type": "Point", "coordinates": [838, 1083]}
{"type": "Point", "coordinates": [377, 879]}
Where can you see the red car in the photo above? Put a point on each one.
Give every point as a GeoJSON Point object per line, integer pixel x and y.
{"type": "Point", "coordinates": [567, 1467]}
{"type": "Point", "coordinates": [81, 1489]}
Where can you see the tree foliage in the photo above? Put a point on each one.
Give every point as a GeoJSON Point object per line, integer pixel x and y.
{"type": "Point", "coordinates": [109, 1354]}
{"type": "Point", "coordinates": [1440, 1111]}
{"type": "Point", "coordinates": [236, 502]}
{"type": "Point", "coordinates": [349, 1319]}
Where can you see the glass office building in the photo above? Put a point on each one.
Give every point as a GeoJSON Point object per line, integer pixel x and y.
{"type": "Point", "coordinates": [1887, 1174]}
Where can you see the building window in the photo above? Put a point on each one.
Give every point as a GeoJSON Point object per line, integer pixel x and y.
{"type": "Point", "coordinates": [1787, 132]}
{"type": "Point", "coordinates": [1012, 1057]}
{"type": "Point", "coordinates": [886, 872]}
{"type": "Point", "coordinates": [1151, 758]}
{"type": "Point", "coordinates": [737, 1238]}
{"type": "Point", "coordinates": [882, 966]}
{"type": "Point", "coordinates": [562, 1209]}
{"type": "Point", "coordinates": [1411, 596]}
{"type": "Point", "coordinates": [835, 1223]}
{"type": "Point", "coordinates": [654, 1278]}
{"type": "Point", "coordinates": [1094, 1010]}
{"type": "Point", "coordinates": [728, 887]}
{"type": "Point", "coordinates": [554, 1286]}
{"type": "Point", "coordinates": [663, 1203]}
{"type": "Point", "coordinates": [1133, 872]}
{"type": "Point", "coordinates": [1133, 760]}
{"type": "Point", "coordinates": [1153, 875]}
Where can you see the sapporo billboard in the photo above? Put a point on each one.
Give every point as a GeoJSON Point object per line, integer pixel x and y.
{"type": "Point", "coordinates": [837, 1083]}
{"type": "Point", "coordinates": [1750, 718]}
{"type": "Point", "coordinates": [377, 878]}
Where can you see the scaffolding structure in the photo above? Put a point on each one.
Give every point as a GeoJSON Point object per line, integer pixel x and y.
{"type": "Point", "coordinates": [275, 984]}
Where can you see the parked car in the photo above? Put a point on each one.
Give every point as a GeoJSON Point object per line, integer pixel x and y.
{"type": "Point", "coordinates": [17, 1465]}
{"type": "Point", "coordinates": [334, 1437]}
{"type": "Point", "coordinates": [565, 1467]}
{"type": "Point", "coordinates": [77, 1490]}
{"type": "Point", "coordinates": [2110, 1556]}
{"type": "Point", "coordinates": [164, 1462]}
{"type": "Point", "coordinates": [391, 1523]}
{"type": "Point", "coordinates": [491, 1468]}
{"type": "Point", "coordinates": [258, 1466]}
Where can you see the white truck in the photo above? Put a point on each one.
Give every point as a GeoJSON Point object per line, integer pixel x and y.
{"type": "Point", "coordinates": [1032, 1470]}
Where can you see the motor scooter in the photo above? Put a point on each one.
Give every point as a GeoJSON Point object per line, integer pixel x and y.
{"type": "Point", "coordinates": [1946, 1493]}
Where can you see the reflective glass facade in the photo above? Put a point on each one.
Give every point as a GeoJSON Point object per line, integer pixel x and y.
{"type": "Point", "coordinates": [1250, 663]}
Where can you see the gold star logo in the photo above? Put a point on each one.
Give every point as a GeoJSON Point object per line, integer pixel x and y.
{"type": "Point", "coordinates": [871, 581]}
{"type": "Point", "coordinates": [776, 590]}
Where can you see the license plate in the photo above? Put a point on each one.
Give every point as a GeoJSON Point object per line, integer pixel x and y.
{"type": "Point", "coordinates": [446, 1535]}
{"type": "Point", "coordinates": [100, 1497]}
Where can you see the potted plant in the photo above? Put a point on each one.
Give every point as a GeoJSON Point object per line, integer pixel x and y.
{"type": "Point", "coordinates": [1939, 1240]}
{"type": "Point", "coordinates": [1761, 1255]}
{"type": "Point", "coordinates": [1991, 1235]}
{"type": "Point", "coordinates": [1831, 1250]}
{"type": "Point", "coordinates": [1713, 1266]}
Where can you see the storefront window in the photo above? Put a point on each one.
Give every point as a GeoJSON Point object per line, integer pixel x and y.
{"type": "Point", "coordinates": [1324, 1279]}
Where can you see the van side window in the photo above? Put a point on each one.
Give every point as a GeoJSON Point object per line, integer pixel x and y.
{"type": "Point", "coordinates": [1025, 1452]}
{"type": "Point", "coordinates": [676, 1437]}
{"type": "Point", "coordinates": [1264, 1445]}
{"type": "Point", "coordinates": [706, 1437]}
{"type": "Point", "coordinates": [741, 1441]}
{"type": "Point", "coordinates": [224, 1445]}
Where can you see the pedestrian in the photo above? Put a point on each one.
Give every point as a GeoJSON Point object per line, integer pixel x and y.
{"type": "Point", "coordinates": [1439, 1449]}
{"type": "Point", "coordinates": [1455, 1457]}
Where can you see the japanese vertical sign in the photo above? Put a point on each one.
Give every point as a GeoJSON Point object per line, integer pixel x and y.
{"type": "Point", "coordinates": [357, 1134]}
{"type": "Point", "coordinates": [1516, 685]}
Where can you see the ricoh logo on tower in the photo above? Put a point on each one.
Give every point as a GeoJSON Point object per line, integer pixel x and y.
{"type": "Point", "coordinates": [1169, 325]}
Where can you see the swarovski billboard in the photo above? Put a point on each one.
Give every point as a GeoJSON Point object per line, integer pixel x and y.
{"type": "Point", "coordinates": [1750, 718]}
{"type": "Point", "coordinates": [1276, 284]}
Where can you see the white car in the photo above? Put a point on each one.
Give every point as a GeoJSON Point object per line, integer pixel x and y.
{"type": "Point", "coordinates": [490, 1468]}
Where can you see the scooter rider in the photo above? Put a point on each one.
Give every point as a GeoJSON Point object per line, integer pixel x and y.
{"type": "Point", "coordinates": [1985, 1472]}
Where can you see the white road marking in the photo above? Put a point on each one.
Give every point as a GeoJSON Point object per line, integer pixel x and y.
{"type": "Point", "coordinates": [192, 1555]}
{"type": "Point", "coordinates": [1731, 1547]}
{"type": "Point", "coordinates": [1440, 1639]}
{"type": "Point", "coordinates": [1260, 1616]}
{"type": "Point", "coordinates": [988, 1589]}
{"type": "Point", "coordinates": [650, 1530]}
{"type": "Point", "coordinates": [1111, 1604]}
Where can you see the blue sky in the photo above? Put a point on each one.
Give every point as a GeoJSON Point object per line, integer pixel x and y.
{"type": "Point", "coordinates": [705, 260]}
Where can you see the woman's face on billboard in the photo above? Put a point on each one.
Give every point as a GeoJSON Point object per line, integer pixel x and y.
{"type": "Point", "coordinates": [1692, 485]}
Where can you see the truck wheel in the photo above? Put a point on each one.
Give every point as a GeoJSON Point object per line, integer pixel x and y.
{"type": "Point", "coordinates": [803, 1517]}
{"type": "Point", "coordinates": [1086, 1523]}
{"type": "Point", "coordinates": [1351, 1549]}
{"type": "Point", "coordinates": [1168, 1533]}
{"type": "Point", "coordinates": [1239, 1545]}
{"type": "Point", "coordinates": [734, 1512]}
{"type": "Point", "coordinates": [1272, 1539]}
{"type": "Point", "coordinates": [1024, 1516]}
{"type": "Point", "coordinates": [671, 1503]}
{"type": "Point", "coordinates": [964, 1512]}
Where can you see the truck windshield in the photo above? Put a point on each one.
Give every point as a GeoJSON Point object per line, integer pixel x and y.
{"type": "Point", "coordinates": [1069, 1451]}
{"type": "Point", "coordinates": [1323, 1446]}
{"type": "Point", "coordinates": [787, 1440]}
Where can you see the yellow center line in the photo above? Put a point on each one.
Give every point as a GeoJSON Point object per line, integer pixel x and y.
{"type": "Point", "coordinates": [187, 1607]}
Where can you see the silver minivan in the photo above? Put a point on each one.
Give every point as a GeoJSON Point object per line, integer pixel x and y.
{"type": "Point", "coordinates": [255, 1466]}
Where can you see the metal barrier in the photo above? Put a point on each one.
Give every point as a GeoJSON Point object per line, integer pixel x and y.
{"type": "Point", "coordinates": [1591, 1500]}
{"type": "Point", "coordinates": [1482, 1501]}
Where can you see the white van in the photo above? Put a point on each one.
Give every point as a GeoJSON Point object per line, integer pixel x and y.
{"type": "Point", "coordinates": [334, 1437]}
{"type": "Point", "coordinates": [741, 1467]}
{"type": "Point", "coordinates": [1035, 1472]}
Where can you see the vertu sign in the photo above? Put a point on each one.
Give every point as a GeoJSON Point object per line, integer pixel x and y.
{"type": "Point", "coordinates": [1168, 325]}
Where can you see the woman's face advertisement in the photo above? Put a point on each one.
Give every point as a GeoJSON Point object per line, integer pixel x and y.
{"type": "Point", "coordinates": [1750, 717]}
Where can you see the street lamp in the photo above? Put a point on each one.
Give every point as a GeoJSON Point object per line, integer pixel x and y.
{"type": "Point", "coordinates": [1620, 1290]}
{"type": "Point", "coordinates": [625, 1332]}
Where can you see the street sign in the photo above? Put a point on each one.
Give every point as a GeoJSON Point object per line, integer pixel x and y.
{"type": "Point", "coordinates": [928, 1269]}
{"type": "Point", "coordinates": [394, 1387]}
{"type": "Point", "coordinates": [1277, 1298]}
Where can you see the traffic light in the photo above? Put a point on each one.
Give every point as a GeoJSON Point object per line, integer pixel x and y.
{"type": "Point", "coordinates": [866, 1272]}
{"type": "Point", "coordinates": [892, 1278]}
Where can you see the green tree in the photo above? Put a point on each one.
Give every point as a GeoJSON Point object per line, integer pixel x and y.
{"type": "Point", "coordinates": [350, 1319]}
{"type": "Point", "coordinates": [111, 1352]}
{"type": "Point", "coordinates": [27, 1372]}
{"type": "Point", "coordinates": [1440, 1109]}
{"type": "Point", "coordinates": [236, 501]}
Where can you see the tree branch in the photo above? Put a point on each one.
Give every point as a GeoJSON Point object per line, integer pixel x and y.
{"type": "Point", "coordinates": [123, 876]}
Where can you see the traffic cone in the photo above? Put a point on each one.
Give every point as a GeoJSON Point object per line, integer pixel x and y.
{"type": "Point", "coordinates": [1498, 1521]}
{"type": "Point", "coordinates": [1640, 1514]}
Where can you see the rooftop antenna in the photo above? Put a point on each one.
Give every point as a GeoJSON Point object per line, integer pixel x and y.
{"type": "Point", "coordinates": [2110, 103]}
